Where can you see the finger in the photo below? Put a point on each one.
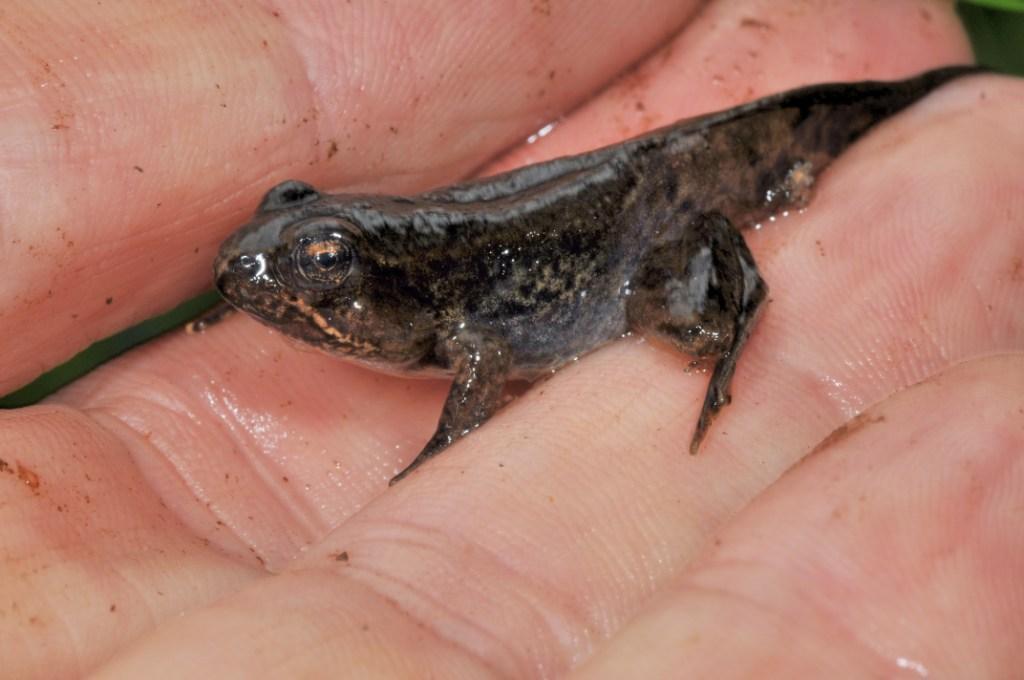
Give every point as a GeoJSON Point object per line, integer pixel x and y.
{"type": "Point", "coordinates": [90, 557]}
{"type": "Point", "coordinates": [892, 550]}
{"type": "Point", "coordinates": [912, 270]}
{"type": "Point", "coordinates": [150, 133]}
{"type": "Point", "coordinates": [286, 442]}
{"type": "Point", "coordinates": [740, 58]}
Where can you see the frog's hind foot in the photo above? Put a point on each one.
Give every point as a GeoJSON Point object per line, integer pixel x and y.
{"type": "Point", "coordinates": [702, 293]}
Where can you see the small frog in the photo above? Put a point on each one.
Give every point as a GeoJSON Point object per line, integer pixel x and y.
{"type": "Point", "coordinates": [514, 275]}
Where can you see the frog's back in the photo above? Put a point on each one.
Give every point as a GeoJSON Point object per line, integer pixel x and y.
{"type": "Point", "coordinates": [540, 259]}
{"type": "Point", "coordinates": [735, 161]}
{"type": "Point", "coordinates": [543, 256]}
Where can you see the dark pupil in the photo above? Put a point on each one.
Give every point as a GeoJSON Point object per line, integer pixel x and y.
{"type": "Point", "coordinates": [326, 259]}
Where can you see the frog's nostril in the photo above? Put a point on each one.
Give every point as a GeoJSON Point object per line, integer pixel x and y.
{"type": "Point", "coordinates": [248, 266]}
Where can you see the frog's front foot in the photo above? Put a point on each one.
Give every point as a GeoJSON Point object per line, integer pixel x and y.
{"type": "Point", "coordinates": [702, 293]}
{"type": "Point", "coordinates": [212, 316]}
{"type": "Point", "coordinates": [481, 364]}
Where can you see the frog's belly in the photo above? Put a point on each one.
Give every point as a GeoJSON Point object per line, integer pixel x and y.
{"type": "Point", "coordinates": [544, 342]}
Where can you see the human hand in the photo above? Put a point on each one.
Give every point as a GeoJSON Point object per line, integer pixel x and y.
{"type": "Point", "coordinates": [219, 504]}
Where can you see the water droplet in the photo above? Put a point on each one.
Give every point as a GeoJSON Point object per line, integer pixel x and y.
{"type": "Point", "coordinates": [915, 666]}
{"type": "Point", "coordinates": [543, 132]}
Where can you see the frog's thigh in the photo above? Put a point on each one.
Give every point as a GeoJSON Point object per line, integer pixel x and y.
{"type": "Point", "coordinates": [701, 293]}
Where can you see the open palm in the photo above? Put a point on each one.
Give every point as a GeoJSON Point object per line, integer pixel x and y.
{"type": "Point", "coordinates": [219, 503]}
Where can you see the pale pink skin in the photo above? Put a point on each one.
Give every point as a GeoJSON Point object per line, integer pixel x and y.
{"type": "Point", "coordinates": [184, 510]}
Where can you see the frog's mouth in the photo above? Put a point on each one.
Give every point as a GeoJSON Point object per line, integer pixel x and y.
{"type": "Point", "coordinates": [247, 284]}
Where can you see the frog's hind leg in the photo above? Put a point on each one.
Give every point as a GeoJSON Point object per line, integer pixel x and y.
{"type": "Point", "coordinates": [702, 293]}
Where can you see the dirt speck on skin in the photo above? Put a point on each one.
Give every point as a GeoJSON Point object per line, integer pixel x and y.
{"type": "Point", "coordinates": [110, 301]}
{"type": "Point", "coordinates": [61, 120]}
{"type": "Point", "coordinates": [28, 476]}
{"type": "Point", "coordinates": [341, 557]}
{"type": "Point", "coordinates": [332, 149]}
{"type": "Point", "coordinates": [259, 558]}
{"type": "Point", "coordinates": [1017, 269]}
{"type": "Point", "coordinates": [752, 22]}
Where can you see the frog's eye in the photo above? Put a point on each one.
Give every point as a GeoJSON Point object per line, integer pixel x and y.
{"type": "Point", "coordinates": [323, 261]}
{"type": "Point", "coordinates": [287, 194]}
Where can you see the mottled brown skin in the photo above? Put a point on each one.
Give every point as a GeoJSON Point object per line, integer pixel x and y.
{"type": "Point", "coordinates": [513, 276]}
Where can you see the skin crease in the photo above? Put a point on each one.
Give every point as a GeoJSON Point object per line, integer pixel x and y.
{"type": "Point", "coordinates": [218, 504]}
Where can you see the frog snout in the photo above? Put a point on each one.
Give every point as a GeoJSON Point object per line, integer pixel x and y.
{"type": "Point", "coordinates": [239, 275]}
{"type": "Point", "coordinates": [243, 266]}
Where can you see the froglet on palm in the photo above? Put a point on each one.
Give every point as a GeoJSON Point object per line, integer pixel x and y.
{"type": "Point", "coordinates": [514, 275]}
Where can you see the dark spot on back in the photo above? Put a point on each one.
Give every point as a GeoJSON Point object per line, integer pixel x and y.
{"type": "Point", "coordinates": [671, 186]}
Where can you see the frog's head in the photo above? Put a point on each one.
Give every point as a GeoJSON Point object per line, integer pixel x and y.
{"type": "Point", "coordinates": [305, 267]}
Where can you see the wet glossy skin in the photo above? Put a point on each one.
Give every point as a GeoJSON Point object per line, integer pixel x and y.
{"type": "Point", "coordinates": [514, 275]}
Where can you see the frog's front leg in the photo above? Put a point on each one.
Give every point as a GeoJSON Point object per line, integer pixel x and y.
{"type": "Point", "coordinates": [702, 293]}
{"type": "Point", "coordinates": [481, 363]}
{"type": "Point", "coordinates": [212, 316]}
